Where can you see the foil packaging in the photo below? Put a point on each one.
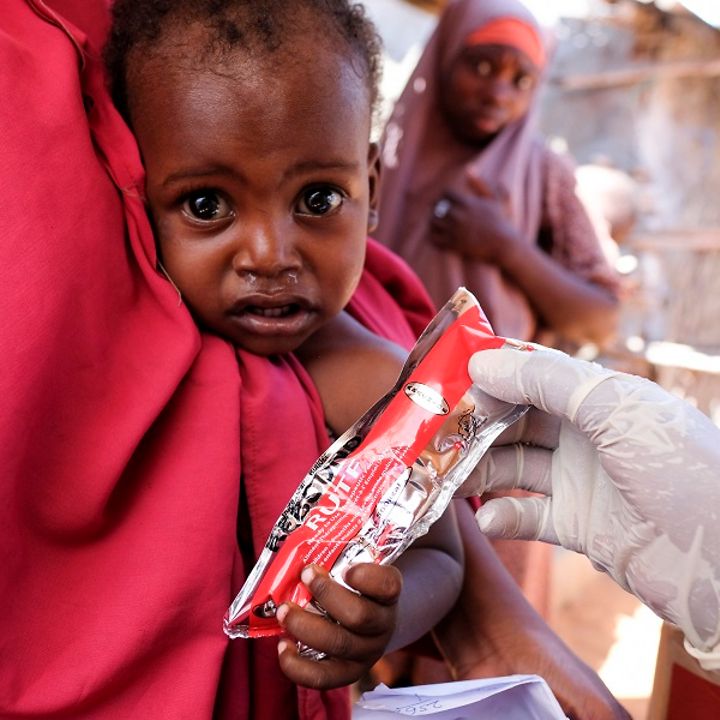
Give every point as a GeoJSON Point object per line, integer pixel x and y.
{"type": "Point", "coordinates": [386, 480]}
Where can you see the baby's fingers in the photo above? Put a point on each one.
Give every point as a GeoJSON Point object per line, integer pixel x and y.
{"type": "Point", "coordinates": [354, 634]}
{"type": "Point", "coordinates": [321, 675]}
{"type": "Point", "coordinates": [356, 619]}
{"type": "Point", "coordinates": [382, 583]}
{"type": "Point", "coordinates": [331, 638]}
{"type": "Point", "coordinates": [370, 611]}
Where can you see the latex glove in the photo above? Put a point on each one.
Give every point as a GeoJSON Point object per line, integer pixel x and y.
{"type": "Point", "coordinates": [630, 476]}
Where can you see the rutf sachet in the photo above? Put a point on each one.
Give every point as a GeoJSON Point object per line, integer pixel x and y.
{"type": "Point", "coordinates": [386, 480]}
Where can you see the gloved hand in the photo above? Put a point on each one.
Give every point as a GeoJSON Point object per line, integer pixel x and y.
{"type": "Point", "coordinates": [630, 476]}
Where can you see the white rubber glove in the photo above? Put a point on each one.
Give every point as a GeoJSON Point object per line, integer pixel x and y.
{"type": "Point", "coordinates": [630, 477]}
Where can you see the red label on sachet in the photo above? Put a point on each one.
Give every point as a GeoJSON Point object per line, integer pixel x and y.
{"type": "Point", "coordinates": [414, 442]}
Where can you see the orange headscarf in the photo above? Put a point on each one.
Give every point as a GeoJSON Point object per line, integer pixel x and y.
{"type": "Point", "coordinates": [514, 33]}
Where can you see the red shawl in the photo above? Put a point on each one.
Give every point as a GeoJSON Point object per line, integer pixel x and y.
{"type": "Point", "coordinates": [124, 429]}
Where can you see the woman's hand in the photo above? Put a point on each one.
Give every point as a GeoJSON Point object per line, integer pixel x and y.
{"type": "Point", "coordinates": [353, 635]}
{"type": "Point", "coordinates": [474, 223]}
{"type": "Point", "coordinates": [494, 631]}
{"type": "Point", "coordinates": [533, 649]}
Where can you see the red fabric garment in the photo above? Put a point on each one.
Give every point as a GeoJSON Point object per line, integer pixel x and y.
{"type": "Point", "coordinates": [389, 285]}
{"type": "Point", "coordinates": [123, 426]}
{"type": "Point", "coordinates": [282, 433]}
{"type": "Point", "coordinates": [119, 433]}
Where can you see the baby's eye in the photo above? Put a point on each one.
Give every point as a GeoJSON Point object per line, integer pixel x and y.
{"type": "Point", "coordinates": [206, 205]}
{"type": "Point", "coordinates": [523, 81]}
{"type": "Point", "coordinates": [483, 68]}
{"type": "Point", "coordinates": [319, 201]}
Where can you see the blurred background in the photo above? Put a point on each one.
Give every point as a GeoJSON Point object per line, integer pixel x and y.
{"type": "Point", "coordinates": [633, 95]}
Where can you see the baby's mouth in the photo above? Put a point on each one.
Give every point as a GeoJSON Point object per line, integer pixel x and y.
{"type": "Point", "coordinates": [273, 312]}
{"type": "Point", "coordinates": [272, 316]}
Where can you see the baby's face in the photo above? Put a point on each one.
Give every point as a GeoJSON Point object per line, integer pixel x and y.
{"type": "Point", "coordinates": [260, 180]}
{"type": "Point", "coordinates": [486, 88]}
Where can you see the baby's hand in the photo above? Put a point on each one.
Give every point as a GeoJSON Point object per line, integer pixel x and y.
{"type": "Point", "coordinates": [354, 635]}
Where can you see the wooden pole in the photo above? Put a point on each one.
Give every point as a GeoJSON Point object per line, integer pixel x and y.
{"type": "Point", "coordinates": [703, 240]}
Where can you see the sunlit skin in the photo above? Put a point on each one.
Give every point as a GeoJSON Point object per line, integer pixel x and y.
{"type": "Point", "coordinates": [486, 88]}
{"type": "Point", "coordinates": [260, 184]}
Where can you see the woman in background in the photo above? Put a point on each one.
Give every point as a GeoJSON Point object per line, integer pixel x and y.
{"type": "Point", "coordinates": [472, 196]}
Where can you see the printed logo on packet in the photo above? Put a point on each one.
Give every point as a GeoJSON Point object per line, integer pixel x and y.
{"type": "Point", "coordinates": [427, 398]}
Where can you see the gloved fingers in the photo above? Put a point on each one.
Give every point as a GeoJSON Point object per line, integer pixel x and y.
{"type": "Point", "coordinates": [520, 466]}
{"type": "Point", "coordinates": [535, 427]}
{"type": "Point", "coordinates": [547, 379]}
{"type": "Point", "coordinates": [518, 519]}
{"type": "Point", "coordinates": [510, 467]}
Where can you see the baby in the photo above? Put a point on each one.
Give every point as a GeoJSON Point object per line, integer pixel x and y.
{"type": "Point", "coordinates": [253, 119]}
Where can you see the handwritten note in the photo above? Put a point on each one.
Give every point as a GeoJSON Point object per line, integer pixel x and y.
{"type": "Point", "coordinates": [515, 697]}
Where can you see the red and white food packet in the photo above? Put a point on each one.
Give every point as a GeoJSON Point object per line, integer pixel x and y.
{"type": "Point", "coordinates": [386, 480]}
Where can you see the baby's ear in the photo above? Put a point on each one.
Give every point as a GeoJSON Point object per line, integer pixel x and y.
{"type": "Point", "coordinates": [374, 171]}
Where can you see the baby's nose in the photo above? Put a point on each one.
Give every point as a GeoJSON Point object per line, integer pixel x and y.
{"type": "Point", "coordinates": [263, 249]}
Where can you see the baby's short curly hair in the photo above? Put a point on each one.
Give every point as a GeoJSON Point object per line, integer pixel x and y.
{"type": "Point", "coordinates": [256, 26]}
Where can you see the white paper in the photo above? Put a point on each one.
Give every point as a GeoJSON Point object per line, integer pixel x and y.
{"type": "Point", "coordinates": [515, 697]}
